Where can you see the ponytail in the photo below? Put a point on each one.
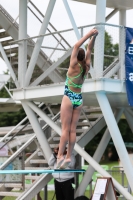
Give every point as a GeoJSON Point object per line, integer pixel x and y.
{"type": "Point", "coordinates": [81, 58]}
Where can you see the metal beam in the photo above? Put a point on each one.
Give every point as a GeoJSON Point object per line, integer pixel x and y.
{"type": "Point", "coordinates": [5, 22]}
{"type": "Point", "coordinates": [72, 20]}
{"type": "Point", "coordinates": [116, 135]}
{"type": "Point", "coordinates": [39, 43]}
{"type": "Point", "coordinates": [99, 43]}
{"type": "Point", "coordinates": [97, 157]}
{"type": "Point", "coordinates": [75, 29]}
{"type": "Point", "coordinates": [20, 150]}
{"type": "Point", "coordinates": [38, 130]}
{"type": "Point", "coordinates": [122, 21]}
{"type": "Point", "coordinates": [36, 187]}
{"type": "Point", "coordinates": [9, 66]}
{"type": "Point", "coordinates": [112, 14]}
{"type": "Point", "coordinates": [22, 54]}
{"type": "Point", "coordinates": [104, 173]}
{"type": "Point", "coordinates": [110, 86]}
{"type": "Point", "coordinates": [79, 150]}
{"type": "Point", "coordinates": [51, 68]}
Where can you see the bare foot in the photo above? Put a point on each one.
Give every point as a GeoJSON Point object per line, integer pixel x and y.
{"type": "Point", "coordinates": [59, 162]}
{"type": "Point", "coordinates": [65, 164]}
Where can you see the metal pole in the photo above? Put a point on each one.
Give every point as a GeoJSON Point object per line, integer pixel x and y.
{"type": "Point", "coordinates": [51, 68]}
{"type": "Point", "coordinates": [23, 167]}
{"type": "Point", "coordinates": [97, 157]}
{"type": "Point", "coordinates": [72, 19]}
{"type": "Point", "coordinates": [112, 14]}
{"type": "Point", "coordinates": [45, 192]}
{"type": "Point", "coordinates": [22, 55]}
{"type": "Point", "coordinates": [98, 168]}
{"type": "Point", "coordinates": [122, 177]}
{"type": "Point", "coordinates": [14, 155]}
{"type": "Point", "coordinates": [8, 65]}
{"type": "Point", "coordinates": [80, 151]}
{"type": "Point", "coordinates": [122, 17]}
{"type": "Point", "coordinates": [99, 44]}
{"type": "Point", "coordinates": [90, 188]}
{"type": "Point", "coordinates": [75, 27]}
{"type": "Point", "coordinates": [129, 189]}
{"type": "Point", "coordinates": [39, 42]}
{"type": "Point", "coordinates": [8, 91]}
{"type": "Point", "coordinates": [122, 21]}
{"type": "Point", "coordinates": [38, 130]}
{"type": "Point", "coordinates": [116, 135]}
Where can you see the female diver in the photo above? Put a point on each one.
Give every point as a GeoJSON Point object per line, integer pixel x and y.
{"type": "Point", "coordinates": [72, 100]}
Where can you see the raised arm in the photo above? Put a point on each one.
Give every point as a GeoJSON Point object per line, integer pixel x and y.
{"type": "Point", "coordinates": [73, 59]}
{"type": "Point", "coordinates": [89, 49]}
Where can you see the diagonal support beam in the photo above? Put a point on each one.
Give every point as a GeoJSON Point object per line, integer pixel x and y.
{"type": "Point", "coordinates": [38, 44]}
{"type": "Point", "coordinates": [72, 19]}
{"type": "Point", "coordinates": [75, 28]}
{"type": "Point", "coordinates": [130, 111]}
{"type": "Point", "coordinates": [51, 68]}
{"type": "Point", "coordinates": [104, 173]}
{"type": "Point", "coordinates": [97, 157]}
{"type": "Point", "coordinates": [116, 135]}
{"type": "Point", "coordinates": [79, 150]}
{"type": "Point", "coordinates": [9, 65]}
{"type": "Point", "coordinates": [38, 130]}
{"type": "Point", "coordinates": [111, 14]}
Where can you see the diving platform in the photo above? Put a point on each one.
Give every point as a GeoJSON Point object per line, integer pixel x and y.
{"type": "Point", "coordinates": [50, 171]}
{"type": "Point", "coordinates": [52, 93]}
{"type": "Point", "coordinates": [119, 4]}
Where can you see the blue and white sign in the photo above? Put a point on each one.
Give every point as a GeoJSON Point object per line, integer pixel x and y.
{"type": "Point", "coordinates": [129, 65]}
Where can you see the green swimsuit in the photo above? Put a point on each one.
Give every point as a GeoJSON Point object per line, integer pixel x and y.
{"type": "Point", "coordinates": [75, 98]}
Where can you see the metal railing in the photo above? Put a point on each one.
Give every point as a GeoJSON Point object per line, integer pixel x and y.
{"type": "Point", "coordinates": [111, 63]}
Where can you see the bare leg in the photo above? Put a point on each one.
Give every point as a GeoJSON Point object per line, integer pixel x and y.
{"type": "Point", "coordinates": [66, 118]}
{"type": "Point", "coordinates": [72, 137]}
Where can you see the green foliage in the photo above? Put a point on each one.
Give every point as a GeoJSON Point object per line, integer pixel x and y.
{"type": "Point", "coordinates": [126, 131]}
{"type": "Point", "coordinates": [4, 93]}
{"type": "Point", "coordinates": [65, 65]}
{"type": "Point", "coordinates": [93, 144]}
{"type": "Point", "coordinates": [109, 49]}
{"type": "Point", "coordinates": [11, 118]}
{"type": "Point", "coordinates": [110, 153]}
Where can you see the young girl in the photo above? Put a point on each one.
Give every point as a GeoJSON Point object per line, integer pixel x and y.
{"type": "Point", "coordinates": [72, 100]}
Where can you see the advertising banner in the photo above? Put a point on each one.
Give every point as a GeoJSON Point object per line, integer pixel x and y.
{"type": "Point", "coordinates": [129, 65]}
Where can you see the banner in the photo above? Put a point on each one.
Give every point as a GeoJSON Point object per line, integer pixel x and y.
{"type": "Point", "coordinates": [129, 65]}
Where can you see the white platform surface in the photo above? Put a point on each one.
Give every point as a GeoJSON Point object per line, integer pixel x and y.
{"type": "Point", "coordinates": [114, 89]}
{"type": "Point", "coordinates": [120, 4]}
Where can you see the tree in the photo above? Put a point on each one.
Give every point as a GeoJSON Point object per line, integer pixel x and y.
{"type": "Point", "coordinates": [10, 118]}
{"type": "Point", "coordinates": [110, 52]}
{"type": "Point", "coordinates": [110, 49]}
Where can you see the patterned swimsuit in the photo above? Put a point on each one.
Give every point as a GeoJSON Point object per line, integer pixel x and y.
{"type": "Point", "coordinates": [75, 98]}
